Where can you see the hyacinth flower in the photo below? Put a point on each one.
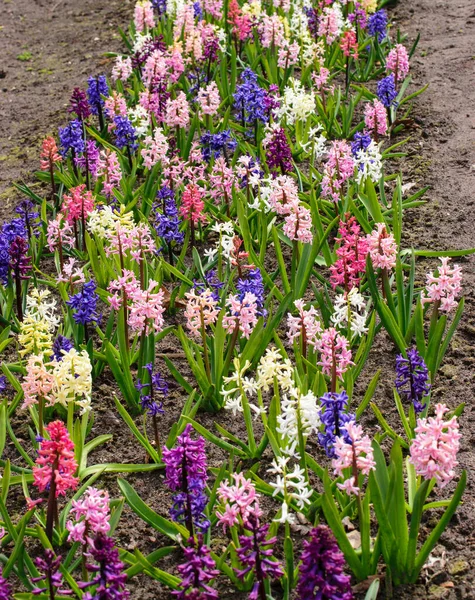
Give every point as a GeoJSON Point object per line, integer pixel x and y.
{"type": "Point", "coordinates": [249, 101]}
{"type": "Point", "coordinates": [5, 588]}
{"type": "Point", "coordinates": [357, 455]}
{"type": "Point", "coordinates": [306, 326]}
{"type": "Point", "coordinates": [84, 307]}
{"type": "Point", "coordinates": [278, 152]}
{"type": "Point", "coordinates": [108, 576]}
{"type": "Point", "coordinates": [61, 346]}
{"type": "Point", "coordinates": [201, 312]}
{"type": "Point", "coordinates": [443, 288]}
{"type": "Point", "coordinates": [97, 88]}
{"type": "Point", "coordinates": [49, 156]}
{"type": "Point", "coordinates": [167, 223]}
{"type": "Point", "coordinates": [382, 250]}
{"type": "Point", "coordinates": [50, 575]}
{"type": "Point", "coordinates": [192, 207]}
{"type": "Point", "coordinates": [375, 119]}
{"type": "Point", "coordinates": [60, 235]}
{"type": "Point", "coordinates": [339, 168]}
{"type": "Point", "coordinates": [19, 264]}
{"type": "Point", "coordinates": [196, 572]}
{"type": "Point", "coordinates": [89, 161]}
{"type": "Point", "coordinates": [321, 574]}
{"type": "Point", "coordinates": [335, 355]}
{"type": "Point", "coordinates": [38, 388]}
{"type": "Point", "coordinates": [156, 385]}
{"type": "Point", "coordinates": [108, 168]}
{"type": "Point", "coordinates": [397, 62]}
{"type": "Point", "coordinates": [79, 104]}
{"type": "Point", "coordinates": [239, 500]}
{"type": "Point", "coordinates": [186, 475]}
{"type": "Point", "coordinates": [334, 417]}
{"type": "Point", "coordinates": [55, 468]}
{"type": "Point", "coordinates": [29, 217]}
{"type": "Point", "coordinates": [125, 136]}
{"type": "Point", "coordinates": [255, 553]}
{"type": "Point", "coordinates": [412, 379]}
{"type": "Point", "coordinates": [76, 208]}
{"type": "Point", "coordinates": [71, 139]}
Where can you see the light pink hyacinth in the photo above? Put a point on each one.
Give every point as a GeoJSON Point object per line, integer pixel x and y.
{"type": "Point", "coordinates": [434, 449]}
{"type": "Point", "coordinates": [177, 111]}
{"type": "Point", "coordinates": [358, 453]}
{"type": "Point", "coordinates": [56, 459]}
{"type": "Point", "coordinates": [209, 99]}
{"type": "Point", "coordinates": [382, 248]}
{"type": "Point", "coordinates": [242, 314]}
{"type": "Point", "coordinates": [146, 309]}
{"type": "Point", "coordinates": [91, 515]}
{"type": "Point", "coordinates": [37, 383]}
{"type": "Point", "coordinates": [59, 233]}
{"type": "Point", "coordinates": [375, 118]}
{"type": "Point", "coordinates": [339, 168]}
{"type": "Point", "coordinates": [397, 62]}
{"type": "Point", "coordinates": [240, 500]}
{"type": "Point", "coordinates": [109, 168]}
{"type": "Point", "coordinates": [201, 311]}
{"type": "Point", "coordinates": [155, 149]}
{"type": "Point", "coordinates": [298, 224]}
{"type": "Point", "coordinates": [335, 352]}
{"type": "Point", "coordinates": [122, 68]}
{"type": "Point", "coordinates": [306, 324]}
{"type": "Point", "coordinates": [271, 31]}
{"type": "Point", "coordinates": [143, 15]}
{"type": "Point", "coordinates": [445, 287]}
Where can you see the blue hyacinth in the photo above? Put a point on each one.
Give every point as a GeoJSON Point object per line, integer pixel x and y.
{"type": "Point", "coordinates": [167, 223]}
{"type": "Point", "coordinates": [412, 378]}
{"type": "Point", "coordinates": [386, 90]}
{"type": "Point", "coordinates": [253, 284]}
{"type": "Point", "coordinates": [125, 134]}
{"type": "Point", "coordinates": [84, 304]}
{"type": "Point", "coordinates": [215, 144]}
{"type": "Point", "coordinates": [61, 343]}
{"type": "Point", "coordinates": [377, 24]}
{"type": "Point", "coordinates": [361, 141]}
{"type": "Point", "coordinates": [97, 87]}
{"type": "Point", "coordinates": [71, 138]}
{"type": "Point", "coordinates": [334, 419]}
{"type": "Point", "coordinates": [249, 99]}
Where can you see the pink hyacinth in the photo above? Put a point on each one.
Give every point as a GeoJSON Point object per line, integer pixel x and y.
{"type": "Point", "coordinates": [143, 15]}
{"type": "Point", "coordinates": [155, 149]}
{"type": "Point", "coordinates": [357, 455]}
{"type": "Point", "coordinates": [329, 26]}
{"type": "Point", "coordinates": [335, 353]}
{"type": "Point", "coordinates": [284, 193]}
{"type": "Point", "coordinates": [155, 69]}
{"type": "Point", "coordinates": [109, 168]}
{"type": "Point", "coordinates": [288, 55]}
{"type": "Point", "coordinates": [271, 31]}
{"type": "Point", "coordinates": [79, 204]}
{"type": "Point", "coordinates": [221, 181]}
{"type": "Point", "coordinates": [192, 205]}
{"type": "Point", "coordinates": [115, 105]}
{"type": "Point", "coordinates": [243, 314]}
{"type": "Point", "coordinates": [306, 324]}
{"type": "Point", "coordinates": [320, 79]}
{"type": "Point", "coordinates": [71, 273]}
{"type": "Point", "coordinates": [49, 154]}
{"type": "Point", "coordinates": [175, 63]}
{"type": "Point", "coordinates": [339, 168]}
{"type": "Point", "coordinates": [382, 248]}
{"type": "Point", "coordinates": [434, 449]}
{"type": "Point", "coordinates": [209, 99]}
{"type": "Point", "coordinates": [214, 8]}
{"type": "Point", "coordinates": [122, 68]}
{"type": "Point", "coordinates": [444, 288]}
{"type": "Point", "coordinates": [201, 311]}
{"type": "Point", "coordinates": [91, 516]}
{"type": "Point", "coordinates": [137, 240]}
{"type": "Point", "coordinates": [298, 224]}
{"type": "Point", "coordinates": [375, 118]}
{"type": "Point", "coordinates": [242, 23]}
{"type": "Point", "coordinates": [37, 383]}
{"type": "Point", "coordinates": [177, 111]}
{"type": "Point", "coordinates": [349, 44]}
{"type": "Point", "coordinates": [397, 62]}
{"type": "Point", "coordinates": [351, 253]}
{"type": "Point", "coordinates": [59, 233]}
{"type": "Point", "coordinates": [240, 501]}
{"type": "Point", "coordinates": [146, 309]}
{"type": "Point", "coordinates": [56, 461]}
{"type": "Point", "coordinates": [127, 286]}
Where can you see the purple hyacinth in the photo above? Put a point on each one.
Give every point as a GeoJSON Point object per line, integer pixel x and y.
{"type": "Point", "coordinates": [91, 153]}
{"type": "Point", "coordinates": [109, 579]}
{"type": "Point", "coordinates": [358, 17]}
{"type": "Point", "coordinates": [61, 343]}
{"type": "Point", "coordinates": [160, 6]}
{"type": "Point", "coordinates": [211, 281]}
{"type": "Point", "coordinates": [278, 154]}
{"type": "Point", "coordinates": [271, 100]}
{"type": "Point", "coordinates": [97, 87]}
{"type": "Point", "coordinates": [321, 570]}
{"type": "Point", "coordinates": [71, 138]}
{"type": "Point", "coordinates": [29, 217]}
{"type": "Point", "coordinates": [9, 232]}
{"type": "Point", "coordinates": [125, 134]}
{"type": "Point", "coordinates": [253, 284]}
{"type": "Point", "coordinates": [386, 91]}
{"type": "Point", "coordinates": [167, 223]}
{"type": "Point", "coordinates": [48, 567]}
{"type": "Point", "coordinates": [156, 385]}
{"type": "Point", "coordinates": [5, 588]}
{"type": "Point", "coordinates": [334, 419]}
{"type": "Point", "coordinates": [249, 99]}
{"type": "Point", "coordinates": [255, 554]}
{"type": "Point", "coordinates": [79, 105]}
{"type": "Point", "coordinates": [19, 259]}
{"type": "Point", "coordinates": [361, 141]}
{"type": "Point", "coordinates": [3, 383]}
{"type": "Point", "coordinates": [412, 378]}
{"type": "Point", "coordinates": [185, 470]}
{"type": "Point", "coordinates": [196, 572]}
{"type": "Point", "coordinates": [215, 144]}
{"type": "Point", "coordinates": [84, 304]}
{"type": "Point", "coordinates": [378, 24]}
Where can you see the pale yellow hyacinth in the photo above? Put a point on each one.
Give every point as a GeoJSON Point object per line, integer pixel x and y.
{"type": "Point", "coordinates": [73, 379]}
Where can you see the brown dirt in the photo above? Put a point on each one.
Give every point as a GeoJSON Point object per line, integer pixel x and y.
{"type": "Point", "coordinates": [441, 154]}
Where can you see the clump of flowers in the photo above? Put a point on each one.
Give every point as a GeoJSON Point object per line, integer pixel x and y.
{"type": "Point", "coordinates": [197, 571]}
{"type": "Point", "coordinates": [434, 449]}
{"type": "Point", "coordinates": [242, 314]}
{"type": "Point", "coordinates": [357, 454]}
{"type": "Point", "coordinates": [443, 288]}
{"type": "Point", "coordinates": [91, 515]}
{"type": "Point", "coordinates": [412, 378]}
{"type": "Point", "coordinates": [109, 578]}
{"type": "Point", "coordinates": [382, 248]}
{"type": "Point", "coordinates": [351, 253]}
{"type": "Point", "coordinates": [334, 417]}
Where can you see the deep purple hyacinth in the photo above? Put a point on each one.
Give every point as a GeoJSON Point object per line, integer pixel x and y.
{"type": "Point", "coordinates": [197, 571]}
{"type": "Point", "coordinates": [361, 141]}
{"type": "Point", "coordinates": [321, 570]}
{"type": "Point", "coordinates": [253, 284]}
{"type": "Point", "coordinates": [9, 232]}
{"type": "Point", "coordinates": [79, 105]}
{"type": "Point", "coordinates": [92, 152]}
{"type": "Point", "coordinates": [29, 216]}
{"type": "Point", "coordinates": [156, 384]}
{"type": "Point", "coordinates": [125, 134]}
{"type": "Point", "coordinates": [278, 154]}
{"type": "Point", "coordinates": [378, 24]}
{"type": "Point", "coordinates": [97, 87]}
{"type": "Point", "coordinates": [167, 222]}
{"type": "Point", "coordinates": [334, 419]}
{"type": "Point", "coordinates": [255, 554]}
{"type": "Point", "coordinates": [61, 343]}
{"type": "Point", "coordinates": [71, 138]}
{"type": "Point", "coordinates": [358, 17]}
{"type": "Point", "coordinates": [5, 588]}
{"type": "Point", "coordinates": [249, 99]}
{"type": "Point", "coordinates": [84, 304]}
{"type": "Point", "coordinates": [48, 567]}
{"type": "Point", "coordinates": [386, 91]}
{"type": "Point", "coordinates": [185, 470]}
{"type": "Point", "coordinates": [215, 144]}
{"type": "Point", "coordinates": [109, 579]}
{"type": "Point", "coordinates": [412, 378]}
{"type": "Point", "coordinates": [19, 259]}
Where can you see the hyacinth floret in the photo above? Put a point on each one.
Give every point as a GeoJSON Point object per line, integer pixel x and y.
{"type": "Point", "coordinates": [321, 574]}
{"type": "Point", "coordinates": [71, 138]}
{"type": "Point", "coordinates": [84, 304]}
{"type": "Point", "coordinates": [334, 417]}
{"type": "Point", "coordinates": [412, 378]}
{"type": "Point", "coordinates": [156, 385]}
{"type": "Point", "coordinates": [48, 567]}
